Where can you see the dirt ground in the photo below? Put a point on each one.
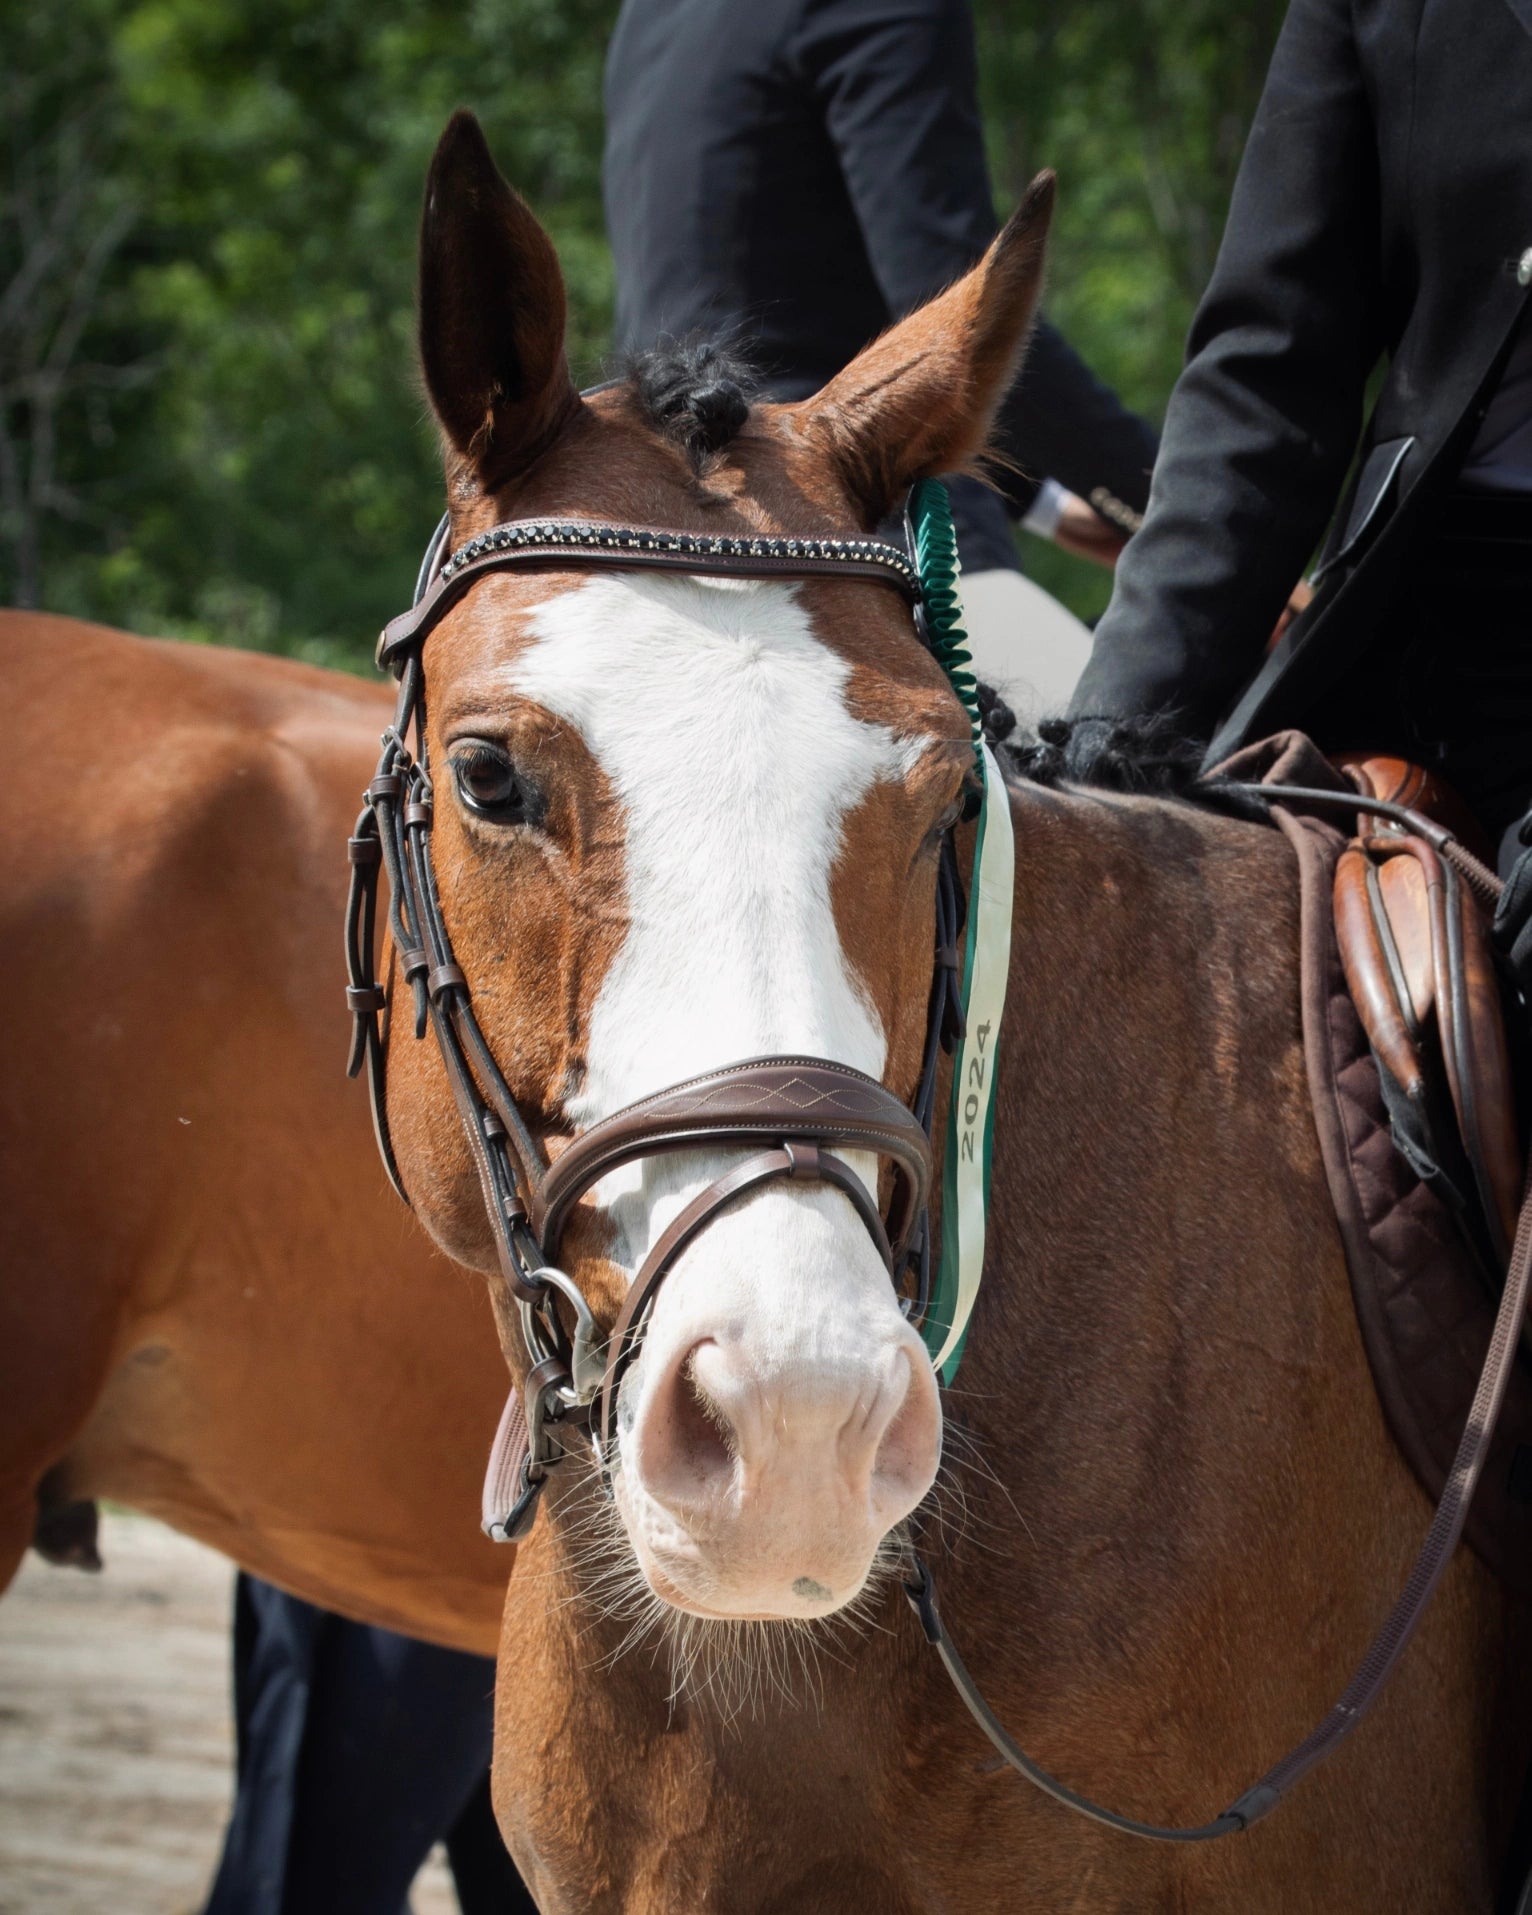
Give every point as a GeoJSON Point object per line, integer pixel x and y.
{"type": "Point", "coordinates": [116, 1743]}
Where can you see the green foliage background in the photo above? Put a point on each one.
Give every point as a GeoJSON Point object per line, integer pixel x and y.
{"type": "Point", "coordinates": [211, 420]}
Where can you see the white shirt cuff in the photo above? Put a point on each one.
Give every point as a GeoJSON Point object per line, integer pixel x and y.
{"type": "Point", "coordinates": [1042, 516]}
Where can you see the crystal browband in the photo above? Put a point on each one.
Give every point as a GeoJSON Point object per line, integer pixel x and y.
{"type": "Point", "coordinates": [574, 534]}
{"type": "Point", "coordinates": [581, 542]}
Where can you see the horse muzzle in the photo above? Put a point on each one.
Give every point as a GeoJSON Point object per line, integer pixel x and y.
{"type": "Point", "coordinates": [777, 1426]}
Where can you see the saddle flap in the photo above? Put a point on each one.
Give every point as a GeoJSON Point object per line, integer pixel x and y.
{"type": "Point", "coordinates": [1417, 1268]}
{"type": "Point", "coordinates": [1401, 894]}
{"type": "Point", "coordinates": [1374, 972]}
{"type": "Point", "coordinates": [1416, 952]}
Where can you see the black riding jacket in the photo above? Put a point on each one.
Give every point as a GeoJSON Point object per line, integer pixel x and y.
{"type": "Point", "coordinates": [1383, 209]}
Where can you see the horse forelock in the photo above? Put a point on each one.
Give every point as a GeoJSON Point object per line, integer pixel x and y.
{"type": "Point", "coordinates": [695, 391]}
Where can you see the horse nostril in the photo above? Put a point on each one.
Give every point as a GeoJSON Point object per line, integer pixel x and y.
{"type": "Point", "coordinates": [909, 1447]}
{"type": "Point", "coordinates": [707, 1425]}
{"type": "Point", "coordinates": [687, 1443]}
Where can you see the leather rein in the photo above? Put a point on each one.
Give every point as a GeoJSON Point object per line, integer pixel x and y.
{"type": "Point", "coordinates": [788, 1113]}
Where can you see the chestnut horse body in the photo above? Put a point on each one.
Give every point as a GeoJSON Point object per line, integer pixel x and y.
{"type": "Point", "coordinates": [1172, 1522]}
{"type": "Point", "coordinates": [211, 1306]}
{"type": "Point", "coordinates": [682, 822]}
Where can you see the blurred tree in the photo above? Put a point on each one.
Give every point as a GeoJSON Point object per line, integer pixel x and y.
{"type": "Point", "coordinates": [274, 483]}
{"type": "Point", "coordinates": [63, 217]}
{"type": "Point", "coordinates": [209, 417]}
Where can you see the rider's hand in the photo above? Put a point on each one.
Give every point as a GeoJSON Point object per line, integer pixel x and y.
{"type": "Point", "coordinates": [1513, 917]}
{"type": "Point", "coordinates": [1082, 530]}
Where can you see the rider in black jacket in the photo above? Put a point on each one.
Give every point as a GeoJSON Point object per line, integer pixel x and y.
{"type": "Point", "coordinates": [1383, 212]}
{"type": "Point", "coordinates": [798, 173]}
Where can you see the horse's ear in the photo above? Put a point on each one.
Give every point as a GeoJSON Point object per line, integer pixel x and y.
{"type": "Point", "coordinates": [919, 401]}
{"type": "Point", "coordinates": [491, 312]}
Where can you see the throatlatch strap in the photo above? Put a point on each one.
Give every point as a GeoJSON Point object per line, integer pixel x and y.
{"type": "Point", "coordinates": [986, 957]}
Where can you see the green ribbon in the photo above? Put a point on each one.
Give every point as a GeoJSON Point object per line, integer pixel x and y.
{"type": "Point", "coordinates": [986, 957]}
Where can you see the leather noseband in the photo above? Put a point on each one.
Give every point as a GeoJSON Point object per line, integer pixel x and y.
{"type": "Point", "coordinates": [799, 1107]}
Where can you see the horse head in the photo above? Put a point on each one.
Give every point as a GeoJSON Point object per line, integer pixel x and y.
{"type": "Point", "coordinates": [681, 821]}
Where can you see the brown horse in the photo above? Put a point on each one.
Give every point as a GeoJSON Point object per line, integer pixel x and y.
{"type": "Point", "coordinates": [211, 1307]}
{"type": "Point", "coordinates": [680, 822]}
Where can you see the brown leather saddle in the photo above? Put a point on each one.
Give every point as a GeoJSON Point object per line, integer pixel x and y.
{"type": "Point", "coordinates": [1412, 1093]}
{"type": "Point", "coordinates": [1414, 943]}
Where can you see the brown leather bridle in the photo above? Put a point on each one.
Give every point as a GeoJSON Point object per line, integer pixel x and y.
{"type": "Point", "coordinates": [789, 1113]}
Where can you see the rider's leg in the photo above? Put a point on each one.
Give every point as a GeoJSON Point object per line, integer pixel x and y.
{"type": "Point", "coordinates": [358, 1749]}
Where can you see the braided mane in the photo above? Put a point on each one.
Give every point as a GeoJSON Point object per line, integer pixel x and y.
{"type": "Point", "coordinates": [696, 391]}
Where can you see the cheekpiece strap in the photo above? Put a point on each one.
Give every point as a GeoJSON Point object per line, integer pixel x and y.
{"type": "Point", "coordinates": [560, 544]}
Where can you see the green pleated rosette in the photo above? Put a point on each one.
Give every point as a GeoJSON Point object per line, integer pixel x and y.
{"type": "Point", "coordinates": [936, 558]}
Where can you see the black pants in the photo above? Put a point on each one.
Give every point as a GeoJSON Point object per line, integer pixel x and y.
{"type": "Point", "coordinates": [358, 1749]}
{"type": "Point", "coordinates": [1448, 680]}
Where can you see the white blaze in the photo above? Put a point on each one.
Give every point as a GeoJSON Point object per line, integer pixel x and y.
{"type": "Point", "coordinates": [721, 724]}
{"type": "Point", "coordinates": [720, 721]}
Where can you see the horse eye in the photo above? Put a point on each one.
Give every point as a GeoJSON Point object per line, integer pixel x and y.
{"type": "Point", "coordinates": [951, 816]}
{"type": "Point", "coordinates": [488, 783]}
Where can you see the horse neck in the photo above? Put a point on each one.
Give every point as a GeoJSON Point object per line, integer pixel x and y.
{"type": "Point", "coordinates": [1165, 1286]}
